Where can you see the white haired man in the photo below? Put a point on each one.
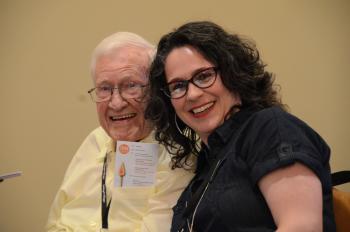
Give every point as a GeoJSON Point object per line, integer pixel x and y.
{"type": "Point", "coordinates": [89, 199]}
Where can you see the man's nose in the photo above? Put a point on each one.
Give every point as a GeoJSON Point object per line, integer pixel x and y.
{"type": "Point", "coordinates": [117, 101]}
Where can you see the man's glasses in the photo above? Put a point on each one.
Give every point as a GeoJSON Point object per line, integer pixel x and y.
{"type": "Point", "coordinates": [202, 79]}
{"type": "Point", "coordinates": [129, 90]}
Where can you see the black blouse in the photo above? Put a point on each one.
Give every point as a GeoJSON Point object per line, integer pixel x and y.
{"type": "Point", "coordinates": [251, 145]}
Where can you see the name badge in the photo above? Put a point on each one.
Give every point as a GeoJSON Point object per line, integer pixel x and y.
{"type": "Point", "coordinates": [135, 164]}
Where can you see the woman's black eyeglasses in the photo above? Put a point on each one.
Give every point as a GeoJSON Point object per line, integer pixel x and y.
{"type": "Point", "coordinates": [203, 79]}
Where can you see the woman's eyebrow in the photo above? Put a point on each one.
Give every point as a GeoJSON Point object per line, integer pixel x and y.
{"type": "Point", "coordinates": [193, 73]}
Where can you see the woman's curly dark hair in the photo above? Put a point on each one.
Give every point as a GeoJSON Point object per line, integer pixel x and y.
{"type": "Point", "coordinates": [240, 68]}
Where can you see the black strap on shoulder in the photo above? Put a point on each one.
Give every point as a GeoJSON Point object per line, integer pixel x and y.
{"type": "Point", "coordinates": [340, 177]}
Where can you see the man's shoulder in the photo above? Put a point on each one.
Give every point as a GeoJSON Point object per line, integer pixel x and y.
{"type": "Point", "coordinates": [98, 132]}
{"type": "Point", "coordinates": [93, 144]}
{"type": "Point", "coordinates": [98, 135]}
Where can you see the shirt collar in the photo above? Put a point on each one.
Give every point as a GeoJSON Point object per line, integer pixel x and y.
{"type": "Point", "coordinates": [221, 136]}
{"type": "Point", "coordinates": [224, 132]}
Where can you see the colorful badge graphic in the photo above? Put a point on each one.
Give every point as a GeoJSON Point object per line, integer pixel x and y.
{"type": "Point", "coordinates": [124, 149]}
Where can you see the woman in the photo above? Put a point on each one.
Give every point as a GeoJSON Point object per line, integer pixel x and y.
{"type": "Point", "coordinates": [259, 168]}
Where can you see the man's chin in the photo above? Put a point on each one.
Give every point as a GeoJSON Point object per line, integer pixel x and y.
{"type": "Point", "coordinates": [132, 137]}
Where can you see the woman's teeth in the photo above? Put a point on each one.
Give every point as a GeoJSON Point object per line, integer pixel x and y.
{"type": "Point", "coordinates": [202, 108]}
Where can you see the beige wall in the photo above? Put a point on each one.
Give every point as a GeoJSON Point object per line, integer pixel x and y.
{"type": "Point", "coordinates": [44, 55]}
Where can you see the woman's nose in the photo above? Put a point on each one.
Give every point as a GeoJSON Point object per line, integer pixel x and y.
{"type": "Point", "coordinates": [193, 92]}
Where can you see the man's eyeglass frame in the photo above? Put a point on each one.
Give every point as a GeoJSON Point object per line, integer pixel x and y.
{"type": "Point", "coordinates": [94, 95]}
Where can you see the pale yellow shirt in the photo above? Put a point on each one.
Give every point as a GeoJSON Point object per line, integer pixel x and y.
{"type": "Point", "coordinates": [77, 205]}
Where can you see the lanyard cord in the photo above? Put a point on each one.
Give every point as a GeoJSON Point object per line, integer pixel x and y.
{"type": "Point", "coordinates": [192, 206]}
{"type": "Point", "coordinates": [198, 195]}
{"type": "Point", "coordinates": [104, 206]}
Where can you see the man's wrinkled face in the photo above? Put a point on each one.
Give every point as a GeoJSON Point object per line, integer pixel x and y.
{"type": "Point", "coordinates": [123, 119]}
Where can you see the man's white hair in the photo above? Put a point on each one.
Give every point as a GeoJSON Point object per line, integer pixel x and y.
{"type": "Point", "coordinates": [119, 40]}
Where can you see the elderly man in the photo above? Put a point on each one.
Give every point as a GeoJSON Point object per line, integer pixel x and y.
{"type": "Point", "coordinates": [93, 194]}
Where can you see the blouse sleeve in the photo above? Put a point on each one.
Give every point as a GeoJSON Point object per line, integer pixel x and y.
{"type": "Point", "coordinates": [276, 139]}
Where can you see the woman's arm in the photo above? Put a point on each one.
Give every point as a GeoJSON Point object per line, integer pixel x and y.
{"type": "Point", "coordinates": [294, 196]}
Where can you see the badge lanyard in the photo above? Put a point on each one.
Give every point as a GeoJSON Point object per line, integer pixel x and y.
{"type": "Point", "coordinates": [104, 206]}
{"type": "Point", "coordinates": [193, 204]}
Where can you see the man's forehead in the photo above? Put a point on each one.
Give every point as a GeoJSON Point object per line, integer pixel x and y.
{"type": "Point", "coordinates": [121, 63]}
{"type": "Point", "coordinates": [129, 55]}
{"type": "Point", "coordinates": [124, 58]}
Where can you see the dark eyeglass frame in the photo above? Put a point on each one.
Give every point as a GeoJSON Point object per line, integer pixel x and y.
{"type": "Point", "coordinates": [192, 80]}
